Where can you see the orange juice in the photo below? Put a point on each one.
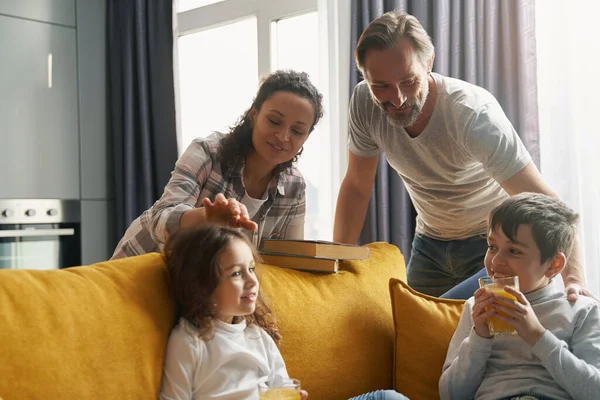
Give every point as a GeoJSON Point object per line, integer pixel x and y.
{"type": "Point", "coordinates": [280, 394]}
{"type": "Point", "coordinates": [495, 325]}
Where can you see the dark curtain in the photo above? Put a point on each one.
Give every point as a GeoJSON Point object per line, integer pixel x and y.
{"type": "Point", "coordinates": [490, 43]}
{"type": "Point", "coordinates": [141, 103]}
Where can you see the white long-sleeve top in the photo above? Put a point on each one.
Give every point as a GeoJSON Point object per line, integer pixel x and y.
{"type": "Point", "coordinates": [227, 367]}
{"type": "Point", "coordinates": [563, 364]}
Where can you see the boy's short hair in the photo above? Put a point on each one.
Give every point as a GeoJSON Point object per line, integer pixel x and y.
{"type": "Point", "coordinates": [553, 224]}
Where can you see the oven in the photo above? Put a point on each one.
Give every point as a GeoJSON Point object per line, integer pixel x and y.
{"type": "Point", "coordinates": [40, 233]}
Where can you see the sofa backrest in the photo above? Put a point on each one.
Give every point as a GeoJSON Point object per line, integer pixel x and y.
{"type": "Point", "coordinates": [93, 332]}
{"type": "Point", "coordinates": [337, 329]}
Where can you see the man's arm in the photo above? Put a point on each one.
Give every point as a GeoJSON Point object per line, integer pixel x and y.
{"type": "Point", "coordinates": [353, 198]}
{"type": "Point", "coordinates": [529, 179]}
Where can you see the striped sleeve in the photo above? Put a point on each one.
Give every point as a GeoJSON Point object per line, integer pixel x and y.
{"type": "Point", "coordinates": [182, 192]}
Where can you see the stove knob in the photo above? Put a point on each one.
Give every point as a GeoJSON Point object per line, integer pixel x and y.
{"type": "Point", "coordinates": [8, 213]}
{"type": "Point", "coordinates": [30, 212]}
{"type": "Point", "coordinates": [52, 212]}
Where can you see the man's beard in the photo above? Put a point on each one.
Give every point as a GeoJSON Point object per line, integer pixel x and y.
{"type": "Point", "coordinates": [417, 103]}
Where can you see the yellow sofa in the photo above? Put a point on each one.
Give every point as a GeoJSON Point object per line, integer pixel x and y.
{"type": "Point", "coordinates": [99, 331]}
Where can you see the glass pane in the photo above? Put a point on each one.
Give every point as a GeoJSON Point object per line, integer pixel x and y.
{"type": "Point", "coordinates": [185, 5]}
{"type": "Point", "coordinates": [218, 77]}
{"type": "Point", "coordinates": [296, 46]}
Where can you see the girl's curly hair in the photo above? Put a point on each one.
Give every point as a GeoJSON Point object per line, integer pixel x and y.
{"type": "Point", "coordinates": [192, 256]}
{"type": "Point", "coordinates": [239, 140]}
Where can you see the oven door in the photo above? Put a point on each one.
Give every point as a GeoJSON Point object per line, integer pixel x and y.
{"type": "Point", "coordinates": [39, 246]}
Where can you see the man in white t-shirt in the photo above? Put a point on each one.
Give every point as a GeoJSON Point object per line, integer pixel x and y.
{"type": "Point", "coordinates": [454, 148]}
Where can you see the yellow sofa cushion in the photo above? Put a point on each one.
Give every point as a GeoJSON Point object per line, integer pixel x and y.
{"type": "Point", "coordinates": [337, 329]}
{"type": "Point", "coordinates": [424, 326]}
{"type": "Point", "coordinates": [94, 332]}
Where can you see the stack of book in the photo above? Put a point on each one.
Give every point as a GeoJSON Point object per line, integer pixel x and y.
{"type": "Point", "coordinates": [310, 255]}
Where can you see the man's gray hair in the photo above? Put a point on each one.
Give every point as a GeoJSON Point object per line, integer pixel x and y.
{"type": "Point", "coordinates": [386, 31]}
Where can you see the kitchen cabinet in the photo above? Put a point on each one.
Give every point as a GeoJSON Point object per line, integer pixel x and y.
{"type": "Point", "coordinates": [54, 11]}
{"type": "Point", "coordinates": [54, 140]}
{"type": "Point", "coordinates": [39, 154]}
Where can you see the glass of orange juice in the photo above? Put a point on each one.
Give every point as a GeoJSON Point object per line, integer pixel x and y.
{"type": "Point", "coordinates": [279, 389]}
{"type": "Point", "coordinates": [496, 285]}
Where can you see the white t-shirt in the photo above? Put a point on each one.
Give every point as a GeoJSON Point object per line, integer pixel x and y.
{"type": "Point", "coordinates": [452, 170]}
{"type": "Point", "coordinates": [227, 367]}
{"type": "Point", "coordinates": [252, 204]}
{"type": "Point", "coordinates": [296, 226]}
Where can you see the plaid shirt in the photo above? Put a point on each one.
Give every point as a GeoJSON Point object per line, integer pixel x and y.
{"type": "Point", "coordinates": [198, 174]}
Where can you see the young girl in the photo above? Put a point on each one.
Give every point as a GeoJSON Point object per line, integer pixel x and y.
{"type": "Point", "coordinates": [225, 341]}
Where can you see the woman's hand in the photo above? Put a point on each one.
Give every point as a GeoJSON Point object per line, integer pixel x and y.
{"type": "Point", "coordinates": [229, 212]}
{"type": "Point", "coordinates": [482, 310]}
{"type": "Point", "coordinates": [520, 315]}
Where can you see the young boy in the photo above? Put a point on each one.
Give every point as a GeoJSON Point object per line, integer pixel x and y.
{"type": "Point", "coordinates": [556, 353]}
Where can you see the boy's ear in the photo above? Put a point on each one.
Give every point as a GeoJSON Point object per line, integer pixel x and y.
{"type": "Point", "coordinates": [556, 265]}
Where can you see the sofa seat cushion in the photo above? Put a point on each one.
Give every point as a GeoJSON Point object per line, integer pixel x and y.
{"type": "Point", "coordinates": [337, 329]}
{"type": "Point", "coordinates": [423, 326]}
{"type": "Point", "coordinates": [94, 332]}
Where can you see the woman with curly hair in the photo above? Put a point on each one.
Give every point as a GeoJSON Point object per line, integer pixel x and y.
{"type": "Point", "coordinates": [245, 178]}
{"type": "Point", "coordinates": [226, 339]}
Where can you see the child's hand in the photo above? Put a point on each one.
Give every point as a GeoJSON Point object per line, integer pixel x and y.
{"type": "Point", "coordinates": [303, 395]}
{"type": "Point", "coordinates": [480, 314]}
{"type": "Point", "coordinates": [520, 315]}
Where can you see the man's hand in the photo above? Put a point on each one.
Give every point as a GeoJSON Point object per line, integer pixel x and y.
{"type": "Point", "coordinates": [482, 310]}
{"type": "Point", "coordinates": [228, 212]}
{"type": "Point", "coordinates": [520, 315]}
{"type": "Point", "coordinates": [303, 395]}
{"type": "Point", "coordinates": [573, 291]}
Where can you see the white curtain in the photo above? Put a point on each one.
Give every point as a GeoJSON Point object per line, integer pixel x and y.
{"type": "Point", "coordinates": [569, 106]}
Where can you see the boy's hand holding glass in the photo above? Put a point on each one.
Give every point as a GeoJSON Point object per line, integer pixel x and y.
{"type": "Point", "coordinates": [495, 286]}
{"type": "Point", "coordinates": [482, 311]}
{"type": "Point", "coordinates": [519, 314]}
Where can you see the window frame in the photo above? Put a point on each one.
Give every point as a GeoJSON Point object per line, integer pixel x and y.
{"type": "Point", "coordinates": [228, 11]}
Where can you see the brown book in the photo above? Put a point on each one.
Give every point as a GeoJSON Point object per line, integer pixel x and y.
{"type": "Point", "coordinates": [304, 263]}
{"type": "Point", "coordinates": [316, 248]}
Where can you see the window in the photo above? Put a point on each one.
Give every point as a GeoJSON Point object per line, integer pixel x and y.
{"type": "Point", "coordinates": [236, 42]}
{"type": "Point", "coordinates": [214, 90]}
